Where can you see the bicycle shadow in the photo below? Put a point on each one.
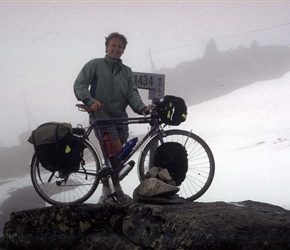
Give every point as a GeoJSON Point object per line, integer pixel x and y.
{"type": "Point", "coordinates": [21, 199]}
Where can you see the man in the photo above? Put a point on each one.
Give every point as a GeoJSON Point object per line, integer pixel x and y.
{"type": "Point", "coordinates": [106, 88]}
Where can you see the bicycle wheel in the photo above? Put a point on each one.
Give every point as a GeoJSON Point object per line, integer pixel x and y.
{"type": "Point", "coordinates": [73, 188]}
{"type": "Point", "coordinates": [201, 166]}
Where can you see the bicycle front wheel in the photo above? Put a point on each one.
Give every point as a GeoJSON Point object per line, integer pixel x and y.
{"type": "Point", "coordinates": [74, 187]}
{"type": "Point", "coordinates": [201, 166]}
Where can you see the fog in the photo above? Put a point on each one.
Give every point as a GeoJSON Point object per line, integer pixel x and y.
{"type": "Point", "coordinates": [45, 44]}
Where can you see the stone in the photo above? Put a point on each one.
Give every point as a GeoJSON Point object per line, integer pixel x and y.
{"type": "Point", "coordinates": [150, 187]}
{"type": "Point", "coordinates": [164, 175]}
{"type": "Point", "coordinates": [153, 172]}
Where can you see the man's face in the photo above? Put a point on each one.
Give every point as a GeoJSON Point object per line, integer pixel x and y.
{"type": "Point", "coordinates": [115, 48]}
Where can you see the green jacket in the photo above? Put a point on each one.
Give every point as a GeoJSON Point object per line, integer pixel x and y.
{"type": "Point", "coordinates": [109, 82]}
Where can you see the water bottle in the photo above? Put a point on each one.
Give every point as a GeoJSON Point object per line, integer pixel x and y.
{"type": "Point", "coordinates": [108, 145]}
{"type": "Point", "coordinates": [127, 148]}
{"type": "Point", "coordinates": [125, 170]}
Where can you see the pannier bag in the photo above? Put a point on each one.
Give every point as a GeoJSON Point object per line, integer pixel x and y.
{"type": "Point", "coordinates": [55, 148]}
{"type": "Point", "coordinates": [172, 110]}
{"type": "Point", "coordinates": [173, 157]}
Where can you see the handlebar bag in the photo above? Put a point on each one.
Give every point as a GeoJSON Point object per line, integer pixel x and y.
{"type": "Point", "coordinates": [172, 110]}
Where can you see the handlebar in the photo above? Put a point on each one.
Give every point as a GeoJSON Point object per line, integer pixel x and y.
{"type": "Point", "coordinates": [87, 108]}
{"type": "Point", "coordinates": [156, 109]}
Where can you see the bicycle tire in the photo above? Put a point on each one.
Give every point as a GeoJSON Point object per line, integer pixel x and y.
{"type": "Point", "coordinates": [79, 186]}
{"type": "Point", "coordinates": [201, 165]}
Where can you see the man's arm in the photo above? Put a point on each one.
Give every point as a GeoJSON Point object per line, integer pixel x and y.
{"type": "Point", "coordinates": [83, 81]}
{"type": "Point", "coordinates": [134, 98]}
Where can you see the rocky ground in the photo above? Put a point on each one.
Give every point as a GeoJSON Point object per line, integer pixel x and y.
{"type": "Point", "coordinates": [189, 225]}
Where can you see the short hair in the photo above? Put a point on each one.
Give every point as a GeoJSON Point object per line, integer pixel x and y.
{"type": "Point", "coordinates": [118, 36]}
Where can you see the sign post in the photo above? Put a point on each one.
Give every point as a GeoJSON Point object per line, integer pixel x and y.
{"type": "Point", "coordinates": [155, 83]}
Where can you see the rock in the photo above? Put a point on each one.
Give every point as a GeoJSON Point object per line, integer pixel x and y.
{"type": "Point", "coordinates": [157, 187]}
{"type": "Point", "coordinates": [150, 187]}
{"type": "Point", "coordinates": [189, 225]}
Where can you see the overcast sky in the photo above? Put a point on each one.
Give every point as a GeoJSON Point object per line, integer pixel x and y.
{"type": "Point", "coordinates": [45, 44]}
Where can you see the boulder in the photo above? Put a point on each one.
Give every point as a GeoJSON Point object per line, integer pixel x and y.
{"type": "Point", "coordinates": [187, 225]}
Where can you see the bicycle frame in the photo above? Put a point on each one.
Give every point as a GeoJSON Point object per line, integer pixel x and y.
{"type": "Point", "coordinates": [155, 127]}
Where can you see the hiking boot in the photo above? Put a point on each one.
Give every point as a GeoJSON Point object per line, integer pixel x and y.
{"type": "Point", "coordinates": [122, 198]}
{"type": "Point", "coordinates": [105, 200]}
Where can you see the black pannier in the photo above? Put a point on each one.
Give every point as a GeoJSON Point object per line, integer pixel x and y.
{"type": "Point", "coordinates": [173, 156]}
{"type": "Point", "coordinates": [55, 148]}
{"type": "Point", "coordinates": [172, 110]}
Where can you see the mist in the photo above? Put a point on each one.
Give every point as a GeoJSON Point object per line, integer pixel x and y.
{"type": "Point", "coordinates": [44, 48]}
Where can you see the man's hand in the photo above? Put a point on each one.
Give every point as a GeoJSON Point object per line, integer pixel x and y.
{"type": "Point", "coordinates": [96, 105]}
{"type": "Point", "coordinates": [84, 108]}
{"type": "Point", "coordinates": [145, 111]}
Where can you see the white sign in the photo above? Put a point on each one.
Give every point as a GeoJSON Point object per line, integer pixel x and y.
{"type": "Point", "coordinates": [155, 83]}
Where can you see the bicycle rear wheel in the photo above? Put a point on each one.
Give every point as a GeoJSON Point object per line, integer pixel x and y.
{"type": "Point", "coordinates": [201, 166]}
{"type": "Point", "coordinates": [55, 189]}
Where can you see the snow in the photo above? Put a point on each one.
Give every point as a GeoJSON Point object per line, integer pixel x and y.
{"type": "Point", "coordinates": [248, 131]}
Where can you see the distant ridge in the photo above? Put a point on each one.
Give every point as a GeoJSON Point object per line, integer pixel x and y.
{"type": "Point", "coordinates": [219, 73]}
